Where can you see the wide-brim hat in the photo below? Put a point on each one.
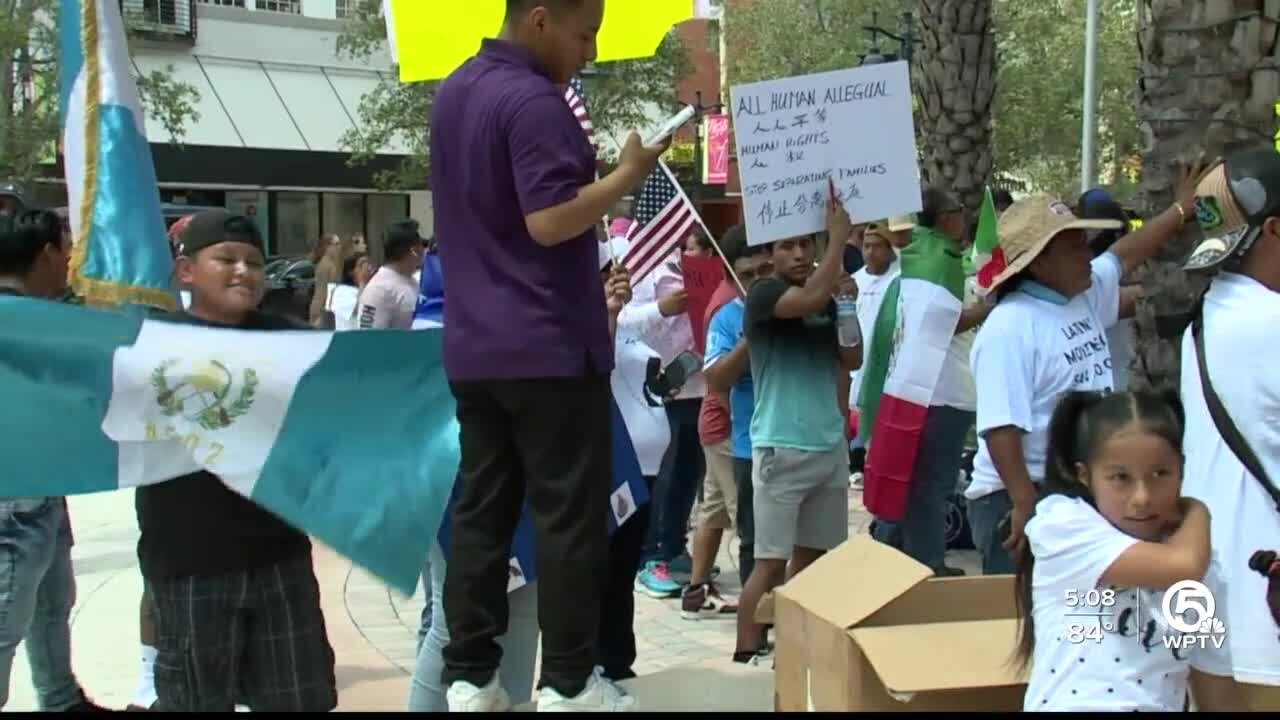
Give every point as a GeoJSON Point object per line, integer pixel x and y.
{"type": "Point", "coordinates": [899, 223]}
{"type": "Point", "coordinates": [1232, 203]}
{"type": "Point", "coordinates": [1027, 227]}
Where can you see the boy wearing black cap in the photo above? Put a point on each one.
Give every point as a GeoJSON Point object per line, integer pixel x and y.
{"type": "Point", "coordinates": [1228, 370]}
{"type": "Point", "coordinates": [236, 602]}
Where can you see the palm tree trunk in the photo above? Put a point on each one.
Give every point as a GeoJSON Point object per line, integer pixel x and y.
{"type": "Point", "coordinates": [1208, 82]}
{"type": "Point", "coordinates": [954, 79]}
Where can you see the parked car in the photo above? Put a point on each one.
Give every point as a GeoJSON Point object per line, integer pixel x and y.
{"type": "Point", "coordinates": [290, 284]}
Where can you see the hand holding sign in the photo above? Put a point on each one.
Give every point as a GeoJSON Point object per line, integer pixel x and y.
{"type": "Point", "coordinates": [839, 225]}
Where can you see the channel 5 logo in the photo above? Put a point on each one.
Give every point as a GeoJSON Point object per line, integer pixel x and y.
{"type": "Point", "coordinates": [1189, 608]}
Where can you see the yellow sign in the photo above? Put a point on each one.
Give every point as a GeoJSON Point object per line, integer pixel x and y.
{"type": "Point", "coordinates": [1277, 135]}
{"type": "Point", "coordinates": [680, 153]}
{"type": "Point", "coordinates": [433, 37]}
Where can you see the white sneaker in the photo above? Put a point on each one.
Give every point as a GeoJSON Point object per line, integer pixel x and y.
{"type": "Point", "coordinates": [465, 697]}
{"type": "Point", "coordinates": [600, 695]}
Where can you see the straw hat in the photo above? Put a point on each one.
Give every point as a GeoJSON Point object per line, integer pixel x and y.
{"type": "Point", "coordinates": [901, 222]}
{"type": "Point", "coordinates": [1026, 228]}
{"type": "Point", "coordinates": [1232, 203]}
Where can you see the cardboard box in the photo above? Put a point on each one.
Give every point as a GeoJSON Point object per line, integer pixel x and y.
{"type": "Point", "coordinates": [868, 628]}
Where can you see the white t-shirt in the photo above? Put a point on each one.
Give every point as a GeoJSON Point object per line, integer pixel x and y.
{"type": "Point", "coordinates": [871, 290]}
{"type": "Point", "coordinates": [388, 301]}
{"type": "Point", "coordinates": [1240, 317]}
{"type": "Point", "coordinates": [956, 387]}
{"type": "Point", "coordinates": [646, 425]}
{"type": "Point", "coordinates": [669, 336]}
{"type": "Point", "coordinates": [1032, 348]}
{"type": "Point", "coordinates": [1102, 648]}
{"type": "Point", "coordinates": [343, 301]}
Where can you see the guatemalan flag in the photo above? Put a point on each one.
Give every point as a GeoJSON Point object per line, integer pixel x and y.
{"type": "Point", "coordinates": [909, 344]}
{"type": "Point", "coordinates": [336, 433]}
{"type": "Point", "coordinates": [121, 252]}
{"type": "Point", "coordinates": [629, 490]}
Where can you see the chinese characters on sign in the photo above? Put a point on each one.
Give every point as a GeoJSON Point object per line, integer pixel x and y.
{"type": "Point", "coordinates": [852, 126]}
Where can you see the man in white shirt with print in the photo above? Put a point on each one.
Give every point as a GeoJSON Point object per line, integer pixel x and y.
{"type": "Point", "coordinates": [1046, 336]}
{"type": "Point", "coordinates": [1241, 310]}
{"type": "Point", "coordinates": [388, 301]}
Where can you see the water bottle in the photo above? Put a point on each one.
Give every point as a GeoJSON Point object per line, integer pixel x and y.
{"type": "Point", "coordinates": [847, 328]}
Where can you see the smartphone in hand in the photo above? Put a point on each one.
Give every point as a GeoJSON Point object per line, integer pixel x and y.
{"type": "Point", "coordinates": [669, 127]}
{"type": "Point", "coordinates": [681, 369]}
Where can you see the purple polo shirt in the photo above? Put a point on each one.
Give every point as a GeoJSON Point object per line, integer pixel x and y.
{"type": "Point", "coordinates": [505, 144]}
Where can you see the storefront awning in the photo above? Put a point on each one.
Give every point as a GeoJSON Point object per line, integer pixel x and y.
{"type": "Point", "coordinates": [265, 105]}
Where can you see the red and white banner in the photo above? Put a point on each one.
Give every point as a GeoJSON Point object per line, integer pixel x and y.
{"type": "Point", "coordinates": [715, 150]}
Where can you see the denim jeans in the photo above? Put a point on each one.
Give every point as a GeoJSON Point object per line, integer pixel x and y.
{"type": "Point", "coordinates": [37, 593]}
{"type": "Point", "coordinates": [679, 478]}
{"type": "Point", "coordinates": [934, 479]}
{"type": "Point", "coordinates": [985, 514]}
{"type": "Point", "coordinates": [424, 624]}
{"type": "Point", "coordinates": [519, 645]}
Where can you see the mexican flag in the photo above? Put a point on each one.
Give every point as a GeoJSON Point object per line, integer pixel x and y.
{"type": "Point", "coordinates": [986, 258]}
{"type": "Point", "coordinates": [908, 346]}
{"type": "Point", "coordinates": [349, 437]}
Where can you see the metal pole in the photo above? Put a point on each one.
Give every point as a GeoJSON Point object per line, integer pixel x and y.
{"type": "Point", "coordinates": [1088, 158]}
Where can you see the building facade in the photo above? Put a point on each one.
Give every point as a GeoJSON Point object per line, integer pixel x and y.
{"type": "Point", "coordinates": [275, 99]}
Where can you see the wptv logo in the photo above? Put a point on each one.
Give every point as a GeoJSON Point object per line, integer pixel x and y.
{"type": "Point", "coordinates": [1189, 609]}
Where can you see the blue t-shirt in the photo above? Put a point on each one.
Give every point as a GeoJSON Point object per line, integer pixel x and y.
{"type": "Point", "coordinates": [722, 336]}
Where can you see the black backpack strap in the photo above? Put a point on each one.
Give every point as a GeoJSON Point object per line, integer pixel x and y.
{"type": "Point", "coordinates": [1226, 428]}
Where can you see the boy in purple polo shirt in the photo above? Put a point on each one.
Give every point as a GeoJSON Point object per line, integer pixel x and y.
{"type": "Point", "coordinates": [526, 346]}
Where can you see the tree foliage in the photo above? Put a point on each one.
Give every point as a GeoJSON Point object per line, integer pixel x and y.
{"type": "Point", "coordinates": [619, 95]}
{"type": "Point", "coordinates": [29, 119]}
{"type": "Point", "coordinates": [778, 38]}
{"type": "Point", "coordinates": [1040, 93]}
{"type": "Point", "coordinates": [1040, 66]}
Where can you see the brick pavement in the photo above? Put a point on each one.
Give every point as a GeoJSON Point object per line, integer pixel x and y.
{"type": "Point", "coordinates": [373, 629]}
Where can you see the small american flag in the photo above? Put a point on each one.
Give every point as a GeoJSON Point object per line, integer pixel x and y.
{"type": "Point", "coordinates": [664, 216]}
{"type": "Point", "coordinates": [573, 96]}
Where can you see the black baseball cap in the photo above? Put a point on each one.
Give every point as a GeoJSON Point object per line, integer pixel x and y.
{"type": "Point", "coordinates": [1232, 203]}
{"type": "Point", "coordinates": [212, 227]}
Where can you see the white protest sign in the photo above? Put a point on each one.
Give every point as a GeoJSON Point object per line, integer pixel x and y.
{"type": "Point", "coordinates": [853, 126]}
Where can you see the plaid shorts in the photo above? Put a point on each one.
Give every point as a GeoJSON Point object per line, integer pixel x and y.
{"type": "Point", "coordinates": [256, 637]}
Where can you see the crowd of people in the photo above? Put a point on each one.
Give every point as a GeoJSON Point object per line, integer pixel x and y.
{"type": "Point", "coordinates": [1081, 487]}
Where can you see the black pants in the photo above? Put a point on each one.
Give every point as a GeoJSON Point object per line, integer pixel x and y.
{"type": "Point", "coordinates": [549, 439]}
{"type": "Point", "coordinates": [616, 644]}
{"type": "Point", "coordinates": [679, 478]}
{"type": "Point", "coordinates": [746, 519]}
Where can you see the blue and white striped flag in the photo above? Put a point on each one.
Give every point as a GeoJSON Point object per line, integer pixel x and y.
{"type": "Point", "coordinates": [121, 253]}
{"type": "Point", "coordinates": [336, 433]}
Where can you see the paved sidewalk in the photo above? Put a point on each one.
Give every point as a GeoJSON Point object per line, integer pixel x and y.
{"type": "Point", "coordinates": [373, 629]}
